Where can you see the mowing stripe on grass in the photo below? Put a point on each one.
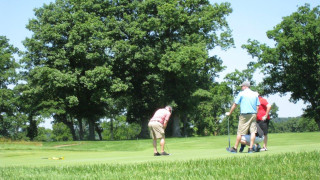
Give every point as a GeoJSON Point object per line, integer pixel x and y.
{"type": "Point", "coordinates": [302, 165]}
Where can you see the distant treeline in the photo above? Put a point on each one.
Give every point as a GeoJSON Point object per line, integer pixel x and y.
{"type": "Point", "coordinates": [292, 124]}
{"type": "Point", "coordinates": [123, 131]}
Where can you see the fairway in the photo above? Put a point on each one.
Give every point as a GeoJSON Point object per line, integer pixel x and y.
{"type": "Point", "coordinates": [290, 156]}
{"type": "Point", "coordinates": [139, 151]}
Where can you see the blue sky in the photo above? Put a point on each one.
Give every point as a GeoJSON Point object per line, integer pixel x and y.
{"type": "Point", "coordinates": [251, 19]}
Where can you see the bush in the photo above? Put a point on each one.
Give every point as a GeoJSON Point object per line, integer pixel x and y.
{"type": "Point", "coordinates": [60, 132]}
{"type": "Point", "coordinates": [121, 129]}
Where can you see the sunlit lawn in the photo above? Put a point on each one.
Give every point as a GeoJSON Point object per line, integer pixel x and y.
{"type": "Point", "coordinates": [191, 158]}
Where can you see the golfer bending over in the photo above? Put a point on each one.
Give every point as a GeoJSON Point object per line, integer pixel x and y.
{"type": "Point", "coordinates": [245, 140]}
{"type": "Point", "coordinates": [157, 126]}
{"type": "Point", "coordinates": [249, 104]}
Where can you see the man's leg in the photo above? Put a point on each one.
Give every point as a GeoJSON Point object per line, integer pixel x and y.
{"type": "Point", "coordinates": [253, 137]}
{"type": "Point", "coordinates": [154, 137]}
{"type": "Point", "coordinates": [237, 141]}
{"type": "Point", "coordinates": [265, 141]}
{"type": "Point", "coordinates": [155, 145]}
{"type": "Point", "coordinates": [241, 130]}
{"type": "Point", "coordinates": [162, 142]}
{"type": "Point", "coordinates": [244, 142]}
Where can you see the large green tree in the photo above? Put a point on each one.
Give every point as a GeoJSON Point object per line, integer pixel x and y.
{"type": "Point", "coordinates": [8, 76]}
{"type": "Point", "coordinates": [69, 69]}
{"type": "Point", "coordinates": [293, 64]}
{"type": "Point", "coordinates": [86, 55]}
{"type": "Point", "coordinates": [166, 54]}
{"type": "Point", "coordinates": [211, 107]}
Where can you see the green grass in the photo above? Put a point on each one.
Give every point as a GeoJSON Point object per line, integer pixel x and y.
{"type": "Point", "coordinates": [303, 165]}
{"type": "Point", "coordinates": [290, 156]}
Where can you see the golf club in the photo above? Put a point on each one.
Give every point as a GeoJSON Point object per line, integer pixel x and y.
{"type": "Point", "coordinates": [228, 134]}
{"type": "Point", "coordinates": [229, 131]}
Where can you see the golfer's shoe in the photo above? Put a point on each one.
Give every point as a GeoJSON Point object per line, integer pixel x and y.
{"type": "Point", "coordinates": [157, 154]}
{"type": "Point", "coordinates": [250, 150]}
{"type": "Point", "coordinates": [232, 149]}
{"type": "Point", "coordinates": [264, 149]}
{"type": "Point", "coordinates": [164, 154]}
{"type": "Point", "coordinates": [242, 148]}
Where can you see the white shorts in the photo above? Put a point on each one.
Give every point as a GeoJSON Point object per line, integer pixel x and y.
{"type": "Point", "coordinates": [247, 137]}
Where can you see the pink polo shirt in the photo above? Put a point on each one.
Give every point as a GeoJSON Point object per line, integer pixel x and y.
{"type": "Point", "coordinates": [161, 115]}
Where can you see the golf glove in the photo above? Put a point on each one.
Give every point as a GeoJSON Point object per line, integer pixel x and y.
{"type": "Point", "coordinates": [227, 113]}
{"type": "Point", "coordinates": [264, 117]}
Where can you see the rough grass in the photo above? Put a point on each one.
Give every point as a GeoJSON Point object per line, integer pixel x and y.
{"type": "Point", "coordinates": [303, 165]}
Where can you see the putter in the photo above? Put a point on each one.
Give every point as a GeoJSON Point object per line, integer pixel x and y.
{"type": "Point", "coordinates": [228, 149]}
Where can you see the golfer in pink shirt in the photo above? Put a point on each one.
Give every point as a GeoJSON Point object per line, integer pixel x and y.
{"type": "Point", "coordinates": [157, 126]}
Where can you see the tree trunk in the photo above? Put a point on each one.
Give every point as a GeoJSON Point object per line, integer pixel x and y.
{"type": "Point", "coordinates": [91, 130]}
{"type": "Point", "coordinates": [69, 123]}
{"type": "Point", "coordinates": [176, 132]}
{"type": "Point", "coordinates": [32, 130]}
{"type": "Point", "coordinates": [71, 127]}
{"type": "Point", "coordinates": [98, 130]}
{"type": "Point", "coordinates": [111, 130]}
{"type": "Point", "coordinates": [144, 129]}
{"type": "Point", "coordinates": [185, 125]}
{"type": "Point", "coordinates": [317, 119]}
{"type": "Point", "coordinates": [80, 128]}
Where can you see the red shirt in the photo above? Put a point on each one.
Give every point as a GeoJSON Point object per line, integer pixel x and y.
{"type": "Point", "coordinates": [161, 115]}
{"type": "Point", "coordinates": [262, 109]}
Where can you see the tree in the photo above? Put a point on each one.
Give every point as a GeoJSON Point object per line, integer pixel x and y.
{"type": "Point", "coordinates": [44, 134]}
{"type": "Point", "coordinates": [119, 129]}
{"type": "Point", "coordinates": [292, 66]}
{"type": "Point", "coordinates": [15, 126]}
{"type": "Point", "coordinates": [274, 111]}
{"type": "Point", "coordinates": [307, 125]}
{"type": "Point", "coordinates": [8, 77]}
{"type": "Point", "coordinates": [211, 107]}
{"type": "Point", "coordinates": [84, 55]}
{"type": "Point", "coordinates": [172, 60]}
{"type": "Point", "coordinates": [68, 67]}
{"type": "Point", "coordinates": [297, 124]}
{"type": "Point", "coordinates": [60, 132]}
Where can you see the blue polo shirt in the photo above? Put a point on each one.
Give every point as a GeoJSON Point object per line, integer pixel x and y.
{"type": "Point", "coordinates": [248, 101]}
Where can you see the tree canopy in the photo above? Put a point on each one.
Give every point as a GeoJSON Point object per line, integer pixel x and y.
{"type": "Point", "coordinates": [8, 76]}
{"type": "Point", "coordinates": [88, 58]}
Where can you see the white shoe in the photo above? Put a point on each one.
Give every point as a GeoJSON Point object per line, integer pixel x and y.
{"type": "Point", "coordinates": [263, 149]}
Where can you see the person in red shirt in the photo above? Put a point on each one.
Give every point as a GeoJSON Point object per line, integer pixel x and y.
{"type": "Point", "coordinates": [263, 119]}
{"type": "Point", "coordinates": [157, 126]}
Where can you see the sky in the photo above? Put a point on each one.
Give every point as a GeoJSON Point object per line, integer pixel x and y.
{"type": "Point", "coordinates": [250, 19]}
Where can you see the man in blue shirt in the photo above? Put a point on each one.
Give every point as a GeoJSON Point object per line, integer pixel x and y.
{"type": "Point", "coordinates": [249, 104]}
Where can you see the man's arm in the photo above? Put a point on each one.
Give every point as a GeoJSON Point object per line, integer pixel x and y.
{"type": "Point", "coordinates": [166, 121]}
{"type": "Point", "coordinates": [267, 112]}
{"type": "Point", "coordinates": [234, 105]}
{"type": "Point", "coordinates": [165, 124]}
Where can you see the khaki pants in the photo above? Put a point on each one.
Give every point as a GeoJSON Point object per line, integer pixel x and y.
{"type": "Point", "coordinates": [247, 122]}
{"type": "Point", "coordinates": [156, 130]}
